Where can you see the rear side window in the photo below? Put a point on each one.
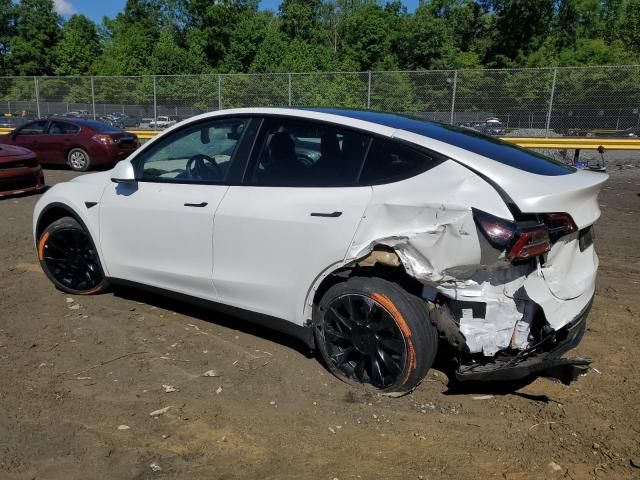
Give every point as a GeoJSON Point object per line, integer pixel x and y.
{"type": "Point", "coordinates": [299, 153]}
{"type": "Point", "coordinates": [391, 161]}
{"type": "Point", "coordinates": [63, 128]}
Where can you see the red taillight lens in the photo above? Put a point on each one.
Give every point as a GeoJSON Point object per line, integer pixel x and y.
{"type": "Point", "coordinates": [498, 232]}
{"type": "Point", "coordinates": [559, 224]}
{"type": "Point", "coordinates": [520, 242]}
{"type": "Point", "coordinates": [530, 243]}
{"type": "Point", "coordinates": [103, 139]}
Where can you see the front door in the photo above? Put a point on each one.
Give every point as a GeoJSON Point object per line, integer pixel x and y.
{"type": "Point", "coordinates": [159, 231]}
{"type": "Point", "coordinates": [30, 136]}
{"type": "Point", "coordinates": [295, 216]}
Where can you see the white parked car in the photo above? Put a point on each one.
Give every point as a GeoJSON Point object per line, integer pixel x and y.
{"type": "Point", "coordinates": [162, 122]}
{"type": "Point", "coordinates": [373, 237]}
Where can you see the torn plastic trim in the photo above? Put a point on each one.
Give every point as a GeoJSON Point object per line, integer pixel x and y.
{"type": "Point", "coordinates": [538, 363]}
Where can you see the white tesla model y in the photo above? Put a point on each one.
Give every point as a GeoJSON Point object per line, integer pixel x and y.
{"type": "Point", "coordinates": [373, 237]}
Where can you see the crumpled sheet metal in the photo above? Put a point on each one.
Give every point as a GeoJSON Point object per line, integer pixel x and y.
{"type": "Point", "coordinates": [427, 254]}
{"type": "Point", "coordinates": [429, 222]}
{"type": "Point", "coordinates": [509, 312]}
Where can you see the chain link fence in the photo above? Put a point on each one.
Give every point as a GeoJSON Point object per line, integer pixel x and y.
{"type": "Point", "coordinates": [527, 102]}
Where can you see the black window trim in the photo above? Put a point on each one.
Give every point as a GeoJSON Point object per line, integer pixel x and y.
{"type": "Point", "coordinates": [438, 158]}
{"type": "Point", "coordinates": [237, 162]}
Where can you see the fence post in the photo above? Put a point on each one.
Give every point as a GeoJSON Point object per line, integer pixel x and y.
{"type": "Point", "coordinates": [453, 97]}
{"type": "Point", "coordinates": [553, 93]}
{"type": "Point", "coordinates": [219, 92]}
{"type": "Point", "coordinates": [289, 89]}
{"type": "Point", "coordinates": [93, 98]}
{"type": "Point", "coordinates": [155, 103]}
{"type": "Point", "coordinates": [37, 90]}
{"type": "Point", "coordinates": [369, 90]}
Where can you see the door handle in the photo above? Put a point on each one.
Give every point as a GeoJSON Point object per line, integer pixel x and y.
{"type": "Point", "coordinates": [324, 214]}
{"type": "Point", "coordinates": [199, 205]}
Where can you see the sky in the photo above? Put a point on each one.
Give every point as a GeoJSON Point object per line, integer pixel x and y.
{"type": "Point", "coordinates": [96, 9]}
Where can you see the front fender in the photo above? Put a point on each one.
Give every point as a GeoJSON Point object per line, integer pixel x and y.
{"type": "Point", "coordinates": [80, 201]}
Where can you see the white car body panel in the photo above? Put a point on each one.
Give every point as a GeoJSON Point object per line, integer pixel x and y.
{"type": "Point", "coordinates": [149, 236]}
{"type": "Point", "coordinates": [268, 249]}
{"type": "Point", "coordinates": [258, 248]}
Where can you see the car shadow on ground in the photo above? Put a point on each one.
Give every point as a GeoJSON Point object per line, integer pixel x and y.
{"type": "Point", "coordinates": [212, 316]}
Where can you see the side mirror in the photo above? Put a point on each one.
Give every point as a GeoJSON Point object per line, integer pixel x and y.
{"type": "Point", "coordinates": [123, 172]}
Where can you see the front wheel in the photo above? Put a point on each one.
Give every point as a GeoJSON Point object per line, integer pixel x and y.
{"type": "Point", "coordinates": [69, 258]}
{"type": "Point", "coordinates": [372, 331]}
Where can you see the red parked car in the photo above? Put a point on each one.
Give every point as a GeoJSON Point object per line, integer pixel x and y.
{"type": "Point", "coordinates": [77, 142]}
{"type": "Point", "coordinates": [19, 171]}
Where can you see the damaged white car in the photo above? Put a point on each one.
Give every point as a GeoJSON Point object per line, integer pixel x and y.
{"type": "Point", "coordinates": [376, 238]}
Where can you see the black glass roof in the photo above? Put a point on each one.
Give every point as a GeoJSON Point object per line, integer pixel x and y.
{"type": "Point", "coordinates": [490, 147]}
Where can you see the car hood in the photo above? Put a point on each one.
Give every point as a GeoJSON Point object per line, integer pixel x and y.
{"type": "Point", "coordinates": [13, 152]}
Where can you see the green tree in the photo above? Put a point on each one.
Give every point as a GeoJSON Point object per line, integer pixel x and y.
{"type": "Point", "coordinates": [367, 37]}
{"type": "Point", "coordinates": [7, 24]}
{"type": "Point", "coordinates": [134, 31]}
{"type": "Point", "coordinates": [78, 48]}
{"type": "Point", "coordinates": [629, 26]}
{"type": "Point", "coordinates": [37, 32]}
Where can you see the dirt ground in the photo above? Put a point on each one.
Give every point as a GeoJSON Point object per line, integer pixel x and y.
{"type": "Point", "coordinates": [74, 371]}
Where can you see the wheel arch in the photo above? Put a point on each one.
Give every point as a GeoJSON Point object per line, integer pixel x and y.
{"type": "Point", "coordinates": [56, 210]}
{"type": "Point", "coordinates": [382, 261]}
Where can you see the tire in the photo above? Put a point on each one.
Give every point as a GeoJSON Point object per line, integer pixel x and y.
{"type": "Point", "coordinates": [371, 331]}
{"type": "Point", "coordinates": [69, 258]}
{"type": "Point", "coordinates": [79, 160]}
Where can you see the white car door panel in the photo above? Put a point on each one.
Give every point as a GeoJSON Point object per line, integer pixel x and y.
{"type": "Point", "coordinates": [269, 245]}
{"type": "Point", "coordinates": [170, 243]}
{"type": "Point", "coordinates": [158, 231]}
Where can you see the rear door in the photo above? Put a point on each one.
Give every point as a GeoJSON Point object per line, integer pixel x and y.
{"type": "Point", "coordinates": [60, 138]}
{"type": "Point", "coordinates": [294, 216]}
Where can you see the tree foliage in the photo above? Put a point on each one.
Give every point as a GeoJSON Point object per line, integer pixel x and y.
{"type": "Point", "coordinates": [234, 36]}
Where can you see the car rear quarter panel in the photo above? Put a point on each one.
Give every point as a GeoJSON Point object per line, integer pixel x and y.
{"type": "Point", "coordinates": [428, 221]}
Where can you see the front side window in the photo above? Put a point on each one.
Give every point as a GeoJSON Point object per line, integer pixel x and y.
{"type": "Point", "coordinates": [34, 128]}
{"type": "Point", "coordinates": [390, 161]}
{"type": "Point", "coordinates": [63, 128]}
{"type": "Point", "coordinates": [301, 153]}
{"type": "Point", "coordinates": [199, 153]}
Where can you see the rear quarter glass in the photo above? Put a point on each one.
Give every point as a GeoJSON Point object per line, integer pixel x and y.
{"type": "Point", "coordinates": [475, 142]}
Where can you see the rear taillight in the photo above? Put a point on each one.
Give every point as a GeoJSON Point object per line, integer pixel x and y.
{"type": "Point", "coordinates": [530, 243]}
{"type": "Point", "coordinates": [519, 242]}
{"type": "Point", "coordinates": [103, 139]}
{"type": "Point", "coordinates": [499, 232]}
{"type": "Point", "coordinates": [560, 224]}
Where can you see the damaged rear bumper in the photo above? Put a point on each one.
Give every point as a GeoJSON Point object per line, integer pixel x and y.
{"type": "Point", "coordinates": [545, 361]}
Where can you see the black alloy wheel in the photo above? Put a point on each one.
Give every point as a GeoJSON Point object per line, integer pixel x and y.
{"type": "Point", "coordinates": [68, 257]}
{"type": "Point", "coordinates": [363, 341]}
{"type": "Point", "coordinates": [371, 331]}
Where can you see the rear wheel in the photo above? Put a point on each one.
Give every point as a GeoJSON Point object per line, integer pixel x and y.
{"type": "Point", "coordinates": [79, 160]}
{"type": "Point", "coordinates": [68, 257]}
{"type": "Point", "coordinates": [372, 331]}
